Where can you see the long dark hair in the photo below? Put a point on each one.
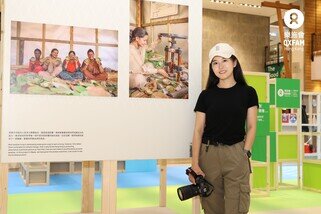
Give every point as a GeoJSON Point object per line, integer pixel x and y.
{"type": "Point", "coordinates": [137, 32]}
{"type": "Point", "coordinates": [72, 52]}
{"type": "Point", "coordinates": [213, 80]}
{"type": "Point", "coordinates": [54, 49]}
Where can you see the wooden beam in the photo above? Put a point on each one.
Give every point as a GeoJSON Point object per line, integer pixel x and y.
{"type": "Point", "coordinates": [166, 22]}
{"type": "Point", "coordinates": [288, 73]}
{"type": "Point", "coordinates": [109, 187]}
{"type": "Point", "coordinates": [139, 13]}
{"type": "Point", "coordinates": [196, 205]}
{"type": "Point", "coordinates": [88, 180]}
{"type": "Point", "coordinates": [3, 188]}
{"type": "Point", "coordinates": [279, 5]}
{"type": "Point", "coordinates": [21, 51]}
{"type": "Point", "coordinates": [43, 40]}
{"type": "Point", "coordinates": [96, 41]}
{"type": "Point", "coordinates": [18, 43]}
{"type": "Point", "coordinates": [64, 41]}
{"type": "Point", "coordinates": [268, 162]}
{"type": "Point", "coordinates": [71, 37]}
{"type": "Point", "coordinates": [163, 183]}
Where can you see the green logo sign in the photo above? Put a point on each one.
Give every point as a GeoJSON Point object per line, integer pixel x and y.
{"type": "Point", "coordinates": [287, 93]}
{"type": "Point", "coordinates": [263, 120]}
{"type": "Point", "coordinates": [275, 70]}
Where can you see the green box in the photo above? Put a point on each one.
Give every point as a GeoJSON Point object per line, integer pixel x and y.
{"type": "Point", "coordinates": [287, 93]}
{"type": "Point", "coordinates": [259, 83]}
{"type": "Point", "coordinates": [312, 175]}
{"type": "Point", "coordinates": [259, 148]}
{"type": "Point", "coordinates": [259, 177]}
{"type": "Point", "coordinates": [287, 147]}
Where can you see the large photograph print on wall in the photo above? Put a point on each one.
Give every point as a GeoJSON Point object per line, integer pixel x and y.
{"type": "Point", "coordinates": [63, 60]}
{"type": "Point", "coordinates": [158, 50]}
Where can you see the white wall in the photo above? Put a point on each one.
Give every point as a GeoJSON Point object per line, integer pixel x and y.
{"type": "Point", "coordinates": [115, 128]}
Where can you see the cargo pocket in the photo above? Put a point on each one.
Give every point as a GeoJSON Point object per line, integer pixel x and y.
{"type": "Point", "coordinates": [244, 202]}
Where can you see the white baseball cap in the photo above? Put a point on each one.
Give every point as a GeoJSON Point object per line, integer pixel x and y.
{"type": "Point", "coordinates": [221, 49]}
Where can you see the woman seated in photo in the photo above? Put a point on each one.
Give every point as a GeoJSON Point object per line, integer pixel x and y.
{"type": "Point", "coordinates": [139, 70]}
{"type": "Point", "coordinates": [52, 65]}
{"type": "Point", "coordinates": [71, 68]}
{"type": "Point", "coordinates": [35, 64]}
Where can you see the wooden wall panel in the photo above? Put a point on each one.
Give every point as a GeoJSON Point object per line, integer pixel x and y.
{"type": "Point", "coordinates": [312, 16]}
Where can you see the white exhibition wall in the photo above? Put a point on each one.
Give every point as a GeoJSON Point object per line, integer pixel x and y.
{"type": "Point", "coordinates": [118, 128]}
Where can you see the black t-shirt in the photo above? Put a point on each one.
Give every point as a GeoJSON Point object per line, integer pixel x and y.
{"type": "Point", "coordinates": [226, 111]}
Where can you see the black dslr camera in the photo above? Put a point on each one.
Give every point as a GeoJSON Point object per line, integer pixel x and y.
{"type": "Point", "coordinates": [201, 187]}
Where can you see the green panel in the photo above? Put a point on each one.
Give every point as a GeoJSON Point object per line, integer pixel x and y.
{"type": "Point", "coordinates": [287, 145]}
{"type": "Point", "coordinates": [272, 146]}
{"type": "Point", "coordinates": [259, 148]}
{"type": "Point", "coordinates": [272, 94]}
{"type": "Point", "coordinates": [263, 120]}
{"type": "Point", "coordinates": [272, 119]}
{"type": "Point", "coordinates": [287, 93]}
{"type": "Point", "coordinates": [260, 85]}
{"type": "Point", "coordinates": [279, 119]}
{"type": "Point", "coordinates": [259, 177]}
{"type": "Point", "coordinates": [312, 175]}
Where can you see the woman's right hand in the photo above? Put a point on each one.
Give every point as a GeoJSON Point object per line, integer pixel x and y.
{"type": "Point", "coordinates": [162, 72]}
{"type": "Point", "coordinates": [196, 168]}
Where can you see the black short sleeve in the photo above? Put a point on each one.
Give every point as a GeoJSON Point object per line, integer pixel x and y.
{"type": "Point", "coordinates": [252, 98]}
{"type": "Point", "coordinates": [201, 105]}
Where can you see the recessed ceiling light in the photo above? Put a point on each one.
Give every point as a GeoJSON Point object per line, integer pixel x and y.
{"type": "Point", "coordinates": [222, 2]}
{"type": "Point", "coordinates": [250, 5]}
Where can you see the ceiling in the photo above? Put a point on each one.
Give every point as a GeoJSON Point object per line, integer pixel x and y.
{"type": "Point", "coordinates": [263, 11]}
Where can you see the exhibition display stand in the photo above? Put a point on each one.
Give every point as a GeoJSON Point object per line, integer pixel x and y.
{"type": "Point", "coordinates": [260, 178]}
{"type": "Point", "coordinates": [311, 142]}
{"type": "Point", "coordinates": [287, 127]}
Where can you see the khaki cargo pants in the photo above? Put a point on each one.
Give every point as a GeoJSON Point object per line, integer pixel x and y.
{"type": "Point", "coordinates": [227, 169]}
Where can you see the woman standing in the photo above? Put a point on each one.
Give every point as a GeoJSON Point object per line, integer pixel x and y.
{"type": "Point", "coordinates": [221, 146]}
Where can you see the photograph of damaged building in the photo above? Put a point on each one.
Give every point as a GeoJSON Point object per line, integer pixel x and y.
{"type": "Point", "coordinates": [63, 60]}
{"type": "Point", "coordinates": [158, 50]}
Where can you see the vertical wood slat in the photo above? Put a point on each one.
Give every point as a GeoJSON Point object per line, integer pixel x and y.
{"type": "Point", "coordinates": [3, 188]}
{"type": "Point", "coordinates": [138, 13]}
{"type": "Point", "coordinates": [43, 43]}
{"type": "Point", "coordinates": [18, 43]}
{"type": "Point", "coordinates": [72, 38]}
{"type": "Point", "coordinates": [96, 41]}
{"type": "Point", "coordinates": [288, 73]}
{"type": "Point", "coordinates": [163, 183]}
{"type": "Point", "coordinates": [88, 180]}
{"type": "Point", "coordinates": [196, 205]}
{"type": "Point", "coordinates": [109, 187]}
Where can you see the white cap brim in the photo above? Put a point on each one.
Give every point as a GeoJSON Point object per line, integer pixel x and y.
{"type": "Point", "coordinates": [221, 49]}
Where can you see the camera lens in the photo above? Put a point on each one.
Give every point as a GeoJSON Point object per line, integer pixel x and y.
{"type": "Point", "coordinates": [187, 192]}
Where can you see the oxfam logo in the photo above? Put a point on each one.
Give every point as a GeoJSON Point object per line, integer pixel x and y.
{"type": "Point", "coordinates": [293, 18]}
{"type": "Point", "coordinates": [280, 93]}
